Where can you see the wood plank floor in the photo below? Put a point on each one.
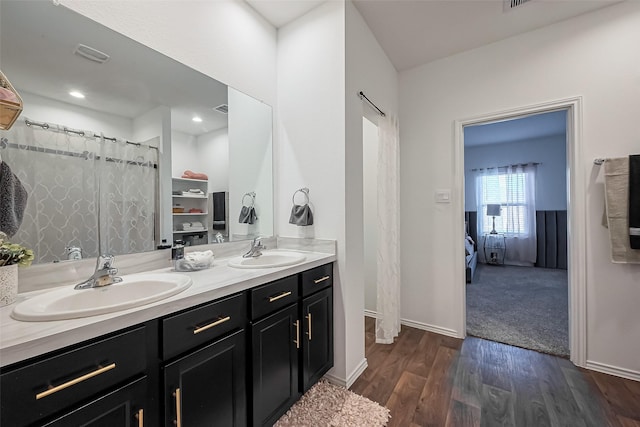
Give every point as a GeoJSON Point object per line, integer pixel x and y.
{"type": "Point", "coordinates": [431, 380]}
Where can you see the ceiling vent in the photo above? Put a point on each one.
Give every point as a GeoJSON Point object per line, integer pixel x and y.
{"type": "Point", "coordinates": [223, 109]}
{"type": "Point", "coordinates": [91, 54]}
{"type": "Point", "coordinates": [512, 4]}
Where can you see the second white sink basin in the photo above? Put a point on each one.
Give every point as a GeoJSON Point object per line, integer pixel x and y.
{"type": "Point", "coordinates": [268, 260]}
{"type": "Point", "coordinates": [69, 303]}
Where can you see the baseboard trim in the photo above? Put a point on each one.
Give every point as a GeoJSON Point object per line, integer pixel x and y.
{"type": "Point", "coordinates": [371, 313]}
{"type": "Point", "coordinates": [351, 378]}
{"type": "Point", "coordinates": [613, 370]}
{"type": "Point", "coordinates": [419, 325]}
{"type": "Point", "coordinates": [431, 328]}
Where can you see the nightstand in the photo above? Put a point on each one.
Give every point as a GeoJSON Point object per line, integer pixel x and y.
{"type": "Point", "coordinates": [495, 248]}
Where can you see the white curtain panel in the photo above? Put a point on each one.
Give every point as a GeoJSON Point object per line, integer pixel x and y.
{"type": "Point", "coordinates": [388, 225]}
{"type": "Point", "coordinates": [61, 172]}
{"type": "Point", "coordinates": [58, 171]}
{"type": "Point", "coordinates": [513, 188]}
{"type": "Point", "coordinates": [128, 187]}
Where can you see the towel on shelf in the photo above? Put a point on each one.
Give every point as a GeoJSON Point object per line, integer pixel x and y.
{"type": "Point", "coordinates": [193, 192]}
{"type": "Point", "coordinates": [247, 215]}
{"type": "Point", "coordinates": [194, 175]}
{"type": "Point", "coordinates": [301, 215]}
{"type": "Point", "coordinates": [634, 201]}
{"type": "Point", "coordinates": [616, 187]}
{"type": "Point", "coordinates": [219, 210]}
{"type": "Point", "coordinates": [13, 201]}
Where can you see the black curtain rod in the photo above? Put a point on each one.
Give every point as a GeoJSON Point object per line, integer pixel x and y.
{"type": "Point", "coordinates": [506, 166]}
{"type": "Point", "coordinates": [362, 95]}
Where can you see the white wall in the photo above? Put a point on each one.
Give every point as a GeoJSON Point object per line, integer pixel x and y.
{"type": "Point", "coordinates": [184, 153]}
{"type": "Point", "coordinates": [213, 149]}
{"type": "Point", "coordinates": [251, 160]}
{"type": "Point", "coordinates": [551, 173]}
{"type": "Point", "coordinates": [369, 70]}
{"type": "Point", "coordinates": [41, 109]}
{"type": "Point", "coordinates": [156, 123]}
{"type": "Point", "coordinates": [324, 58]}
{"type": "Point", "coordinates": [311, 139]}
{"type": "Point", "coordinates": [594, 56]}
{"type": "Point", "coordinates": [370, 214]}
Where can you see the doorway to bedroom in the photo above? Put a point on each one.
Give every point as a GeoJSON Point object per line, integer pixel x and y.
{"type": "Point", "coordinates": [515, 174]}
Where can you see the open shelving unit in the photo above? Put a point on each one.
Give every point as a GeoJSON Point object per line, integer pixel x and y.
{"type": "Point", "coordinates": [188, 202]}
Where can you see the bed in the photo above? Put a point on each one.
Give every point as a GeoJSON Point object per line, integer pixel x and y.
{"type": "Point", "coordinates": [470, 246]}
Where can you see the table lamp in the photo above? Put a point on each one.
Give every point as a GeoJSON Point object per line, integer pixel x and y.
{"type": "Point", "coordinates": [493, 211]}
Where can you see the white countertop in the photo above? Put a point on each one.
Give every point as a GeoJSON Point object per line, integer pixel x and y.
{"type": "Point", "coordinates": [23, 340]}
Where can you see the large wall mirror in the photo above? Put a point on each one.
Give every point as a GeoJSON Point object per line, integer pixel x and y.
{"type": "Point", "coordinates": [122, 147]}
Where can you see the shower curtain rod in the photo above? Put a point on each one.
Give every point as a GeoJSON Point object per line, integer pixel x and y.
{"type": "Point", "coordinates": [505, 166]}
{"type": "Point", "coordinates": [57, 128]}
{"type": "Point", "coordinates": [362, 95]}
{"type": "Point", "coordinates": [4, 143]}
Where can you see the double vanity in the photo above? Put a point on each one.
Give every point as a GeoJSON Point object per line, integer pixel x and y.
{"type": "Point", "coordinates": [234, 345]}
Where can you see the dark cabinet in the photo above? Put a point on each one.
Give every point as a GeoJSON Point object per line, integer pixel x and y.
{"type": "Point", "coordinates": [240, 360]}
{"type": "Point", "coordinates": [124, 407]}
{"type": "Point", "coordinates": [275, 345]}
{"type": "Point", "coordinates": [317, 343]}
{"type": "Point", "coordinates": [54, 384]}
{"type": "Point", "coordinates": [208, 387]}
{"type": "Point", "coordinates": [292, 348]}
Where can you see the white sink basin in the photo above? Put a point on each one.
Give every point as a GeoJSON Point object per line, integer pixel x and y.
{"type": "Point", "coordinates": [268, 260]}
{"type": "Point", "coordinates": [69, 303]}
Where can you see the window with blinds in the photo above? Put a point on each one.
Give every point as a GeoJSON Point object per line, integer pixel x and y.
{"type": "Point", "coordinates": [508, 191]}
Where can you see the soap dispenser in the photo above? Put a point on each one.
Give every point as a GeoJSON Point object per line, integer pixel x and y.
{"type": "Point", "coordinates": [177, 252]}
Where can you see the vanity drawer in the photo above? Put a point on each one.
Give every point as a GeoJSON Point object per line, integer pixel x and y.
{"type": "Point", "coordinates": [189, 329]}
{"type": "Point", "coordinates": [268, 298]}
{"type": "Point", "coordinates": [317, 279]}
{"type": "Point", "coordinates": [43, 388]}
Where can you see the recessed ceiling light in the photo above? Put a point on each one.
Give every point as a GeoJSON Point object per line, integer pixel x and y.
{"type": "Point", "coordinates": [76, 94]}
{"type": "Point", "coordinates": [197, 119]}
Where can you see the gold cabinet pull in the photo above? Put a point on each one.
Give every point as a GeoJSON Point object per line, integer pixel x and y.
{"type": "Point", "coordinates": [197, 330]}
{"type": "Point", "coordinates": [75, 381]}
{"type": "Point", "coordinates": [178, 414]}
{"type": "Point", "coordinates": [322, 279]}
{"type": "Point", "coordinates": [282, 295]}
{"type": "Point", "coordinates": [297, 340]}
{"type": "Point", "coordinates": [309, 325]}
{"type": "Point", "coordinates": [140, 417]}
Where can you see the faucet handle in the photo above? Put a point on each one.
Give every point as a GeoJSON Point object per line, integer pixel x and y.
{"type": "Point", "coordinates": [105, 261]}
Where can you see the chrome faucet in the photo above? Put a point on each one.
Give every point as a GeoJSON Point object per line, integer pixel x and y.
{"type": "Point", "coordinates": [256, 248]}
{"type": "Point", "coordinates": [73, 252]}
{"type": "Point", "coordinates": [104, 275]}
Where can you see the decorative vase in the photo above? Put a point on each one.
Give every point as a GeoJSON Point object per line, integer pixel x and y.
{"type": "Point", "coordinates": [8, 284]}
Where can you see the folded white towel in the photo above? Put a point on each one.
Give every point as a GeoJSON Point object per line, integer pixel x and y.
{"type": "Point", "coordinates": [194, 261]}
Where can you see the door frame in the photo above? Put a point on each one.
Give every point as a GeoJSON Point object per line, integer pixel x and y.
{"type": "Point", "coordinates": [576, 214]}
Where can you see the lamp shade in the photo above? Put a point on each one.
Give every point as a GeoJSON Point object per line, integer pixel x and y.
{"type": "Point", "coordinates": [493, 210]}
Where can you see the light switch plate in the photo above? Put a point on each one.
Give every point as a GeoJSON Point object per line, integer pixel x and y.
{"type": "Point", "coordinates": [443, 196]}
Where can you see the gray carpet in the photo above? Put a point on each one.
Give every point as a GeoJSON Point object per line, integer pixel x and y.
{"type": "Point", "coordinates": [522, 306]}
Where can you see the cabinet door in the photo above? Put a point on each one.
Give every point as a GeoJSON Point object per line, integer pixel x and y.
{"type": "Point", "coordinates": [275, 364]}
{"type": "Point", "coordinates": [317, 341]}
{"type": "Point", "coordinates": [207, 387]}
{"type": "Point", "coordinates": [123, 407]}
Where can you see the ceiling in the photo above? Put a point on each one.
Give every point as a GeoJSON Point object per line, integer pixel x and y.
{"type": "Point", "coordinates": [518, 129]}
{"type": "Point", "coordinates": [281, 12]}
{"type": "Point", "coordinates": [414, 32]}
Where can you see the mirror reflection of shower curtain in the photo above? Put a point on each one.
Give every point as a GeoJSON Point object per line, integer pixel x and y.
{"type": "Point", "coordinates": [128, 182]}
{"type": "Point", "coordinates": [62, 188]}
{"type": "Point", "coordinates": [60, 171]}
{"type": "Point", "coordinates": [388, 225]}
